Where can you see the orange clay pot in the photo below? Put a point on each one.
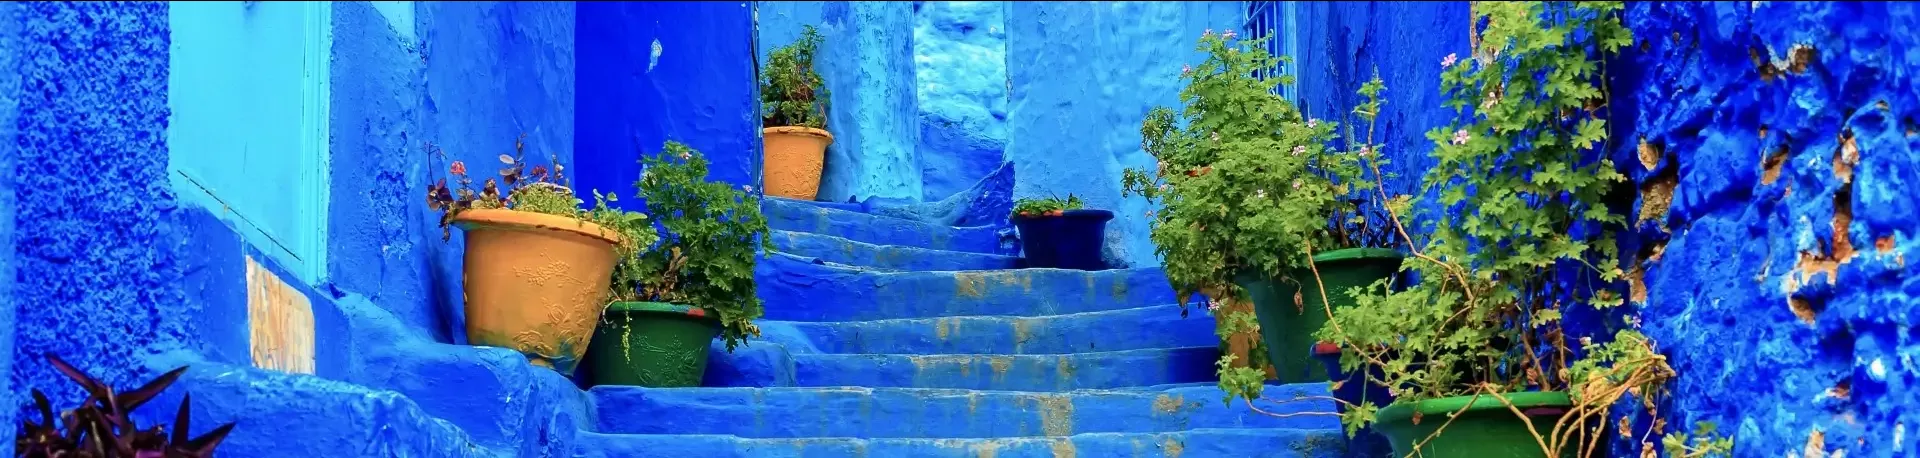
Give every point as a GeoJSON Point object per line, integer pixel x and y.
{"type": "Point", "coordinates": [794, 158]}
{"type": "Point", "coordinates": [535, 283]}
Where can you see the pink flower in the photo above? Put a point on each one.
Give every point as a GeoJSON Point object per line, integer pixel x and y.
{"type": "Point", "coordinates": [1260, 193]}
{"type": "Point", "coordinates": [1186, 70]}
{"type": "Point", "coordinates": [1312, 123]}
{"type": "Point", "coordinates": [1149, 213]}
{"type": "Point", "coordinates": [747, 187]}
{"type": "Point", "coordinates": [1296, 184]}
{"type": "Point", "coordinates": [1212, 306]}
{"type": "Point", "coordinates": [685, 156]}
{"type": "Point", "coordinates": [1448, 62]}
{"type": "Point", "coordinates": [1460, 137]}
{"type": "Point", "coordinates": [1366, 151]}
{"type": "Point", "coordinates": [459, 168]}
{"type": "Point", "coordinates": [1216, 136]}
{"type": "Point", "coordinates": [1228, 34]}
{"type": "Point", "coordinates": [1299, 149]}
{"type": "Point", "coordinates": [1207, 34]}
{"type": "Point", "coordinates": [1163, 188]}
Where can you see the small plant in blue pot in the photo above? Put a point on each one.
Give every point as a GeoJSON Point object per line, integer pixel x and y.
{"type": "Point", "coordinates": [1059, 234]}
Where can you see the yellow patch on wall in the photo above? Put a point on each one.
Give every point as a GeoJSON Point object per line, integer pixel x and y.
{"type": "Point", "coordinates": [279, 322]}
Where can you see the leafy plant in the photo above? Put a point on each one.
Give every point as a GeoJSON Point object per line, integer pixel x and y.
{"type": "Point", "coordinates": [1051, 206]}
{"type": "Point", "coordinates": [1705, 443]}
{"type": "Point", "coordinates": [102, 428]}
{"type": "Point", "coordinates": [711, 235]}
{"type": "Point", "coordinates": [791, 93]}
{"type": "Point", "coordinates": [1524, 218]}
{"type": "Point", "coordinates": [1246, 184]}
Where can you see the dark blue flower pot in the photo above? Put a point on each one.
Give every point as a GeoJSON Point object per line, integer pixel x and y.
{"type": "Point", "coordinates": [1366, 443]}
{"type": "Point", "coordinates": [1069, 241]}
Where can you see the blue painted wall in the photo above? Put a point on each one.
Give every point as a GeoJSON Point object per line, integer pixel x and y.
{"type": "Point", "coordinates": [9, 152]}
{"type": "Point", "coordinates": [1084, 75]}
{"type": "Point", "coordinates": [699, 90]}
{"type": "Point", "coordinates": [1733, 261]}
{"type": "Point", "coordinates": [867, 61]}
{"type": "Point", "coordinates": [960, 64]}
{"type": "Point", "coordinates": [99, 252]}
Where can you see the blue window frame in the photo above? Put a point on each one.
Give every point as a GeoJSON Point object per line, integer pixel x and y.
{"type": "Point", "coordinates": [1277, 18]}
{"type": "Point", "coordinates": [248, 139]}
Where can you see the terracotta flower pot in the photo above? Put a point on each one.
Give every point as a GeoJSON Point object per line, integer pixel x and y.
{"type": "Point", "coordinates": [795, 156]}
{"type": "Point", "coordinates": [535, 283]}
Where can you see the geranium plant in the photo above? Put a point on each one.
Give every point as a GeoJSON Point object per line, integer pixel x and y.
{"type": "Point", "coordinates": [791, 93]}
{"type": "Point", "coordinates": [1246, 183]}
{"type": "Point", "coordinates": [1524, 233]}
{"type": "Point", "coordinates": [103, 427]}
{"type": "Point", "coordinates": [711, 233]}
{"type": "Point", "coordinates": [1050, 206]}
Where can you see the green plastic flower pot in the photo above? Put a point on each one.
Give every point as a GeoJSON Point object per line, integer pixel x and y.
{"type": "Point", "coordinates": [1287, 328]}
{"type": "Point", "coordinates": [1486, 429]}
{"type": "Point", "coordinates": [651, 344]}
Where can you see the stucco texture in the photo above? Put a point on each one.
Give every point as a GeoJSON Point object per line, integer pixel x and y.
{"type": "Point", "coordinates": [960, 64]}
{"type": "Point", "coordinates": [1083, 76]}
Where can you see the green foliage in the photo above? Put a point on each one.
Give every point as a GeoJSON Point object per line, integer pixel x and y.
{"type": "Point", "coordinates": [1051, 206]}
{"type": "Point", "coordinates": [1706, 443]}
{"type": "Point", "coordinates": [712, 235]}
{"type": "Point", "coordinates": [791, 93]}
{"type": "Point", "coordinates": [536, 190]}
{"type": "Point", "coordinates": [1522, 196]}
{"type": "Point", "coordinates": [1246, 184]}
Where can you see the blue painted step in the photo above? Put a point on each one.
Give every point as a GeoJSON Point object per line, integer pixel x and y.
{"type": "Point", "coordinates": [1126, 329]}
{"type": "Point", "coordinates": [848, 206]}
{"type": "Point", "coordinates": [889, 257]}
{"type": "Point", "coordinates": [791, 215]}
{"type": "Point", "coordinates": [1198, 443]}
{"type": "Point", "coordinates": [1009, 372]}
{"type": "Point", "coordinates": [796, 289]}
{"type": "Point", "coordinates": [917, 412]}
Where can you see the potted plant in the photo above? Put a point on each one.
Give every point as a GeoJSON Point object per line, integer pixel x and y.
{"type": "Point", "coordinates": [536, 270]}
{"type": "Point", "coordinates": [670, 301]}
{"type": "Point", "coordinates": [1475, 354]}
{"type": "Point", "coordinates": [1058, 233]}
{"type": "Point", "coordinates": [1247, 185]}
{"type": "Point", "coordinates": [793, 101]}
{"type": "Point", "coordinates": [103, 427]}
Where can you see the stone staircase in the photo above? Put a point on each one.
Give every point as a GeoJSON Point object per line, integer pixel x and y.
{"type": "Point", "coordinates": [884, 337]}
{"type": "Point", "coordinates": [893, 337]}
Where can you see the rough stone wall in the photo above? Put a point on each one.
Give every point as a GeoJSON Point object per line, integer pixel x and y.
{"type": "Point", "coordinates": [1083, 77]}
{"type": "Point", "coordinates": [1775, 151]}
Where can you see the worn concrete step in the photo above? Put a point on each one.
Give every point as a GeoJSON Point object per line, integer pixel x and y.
{"type": "Point", "coordinates": [848, 206]}
{"type": "Point", "coordinates": [1158, 326]}
{"type": "Point", "coordinates": [279, 414]}
{"type": "Point", "coordinates": [946, 413]}
{"type": "Point", "coordinates": [885, 257]}
{"type": "Point", "coordinates": [1197, 443]}
{"type": "Point", "coordinates": [792, 215]}
{"type": "Point", "coordinates": [796, 289]}
{"type": "Point", "coordinates": [1007, 372]}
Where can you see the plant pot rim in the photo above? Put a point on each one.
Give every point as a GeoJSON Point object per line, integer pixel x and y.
{"type": "Point", "coordinates": [1326, 348]}
{"type": "Point", "coordinates": [469, 219]}
{"type": "Point", "coordinates": [1345, 254]}
{"type": "Point", "coordinates": [1402, 412]}
{"type": "Point", "coordinates": [662, 308]}
{"type": "Point", "coordinates": [797, 130]}
{"type": "Point", "coordinates": [1102, 215]}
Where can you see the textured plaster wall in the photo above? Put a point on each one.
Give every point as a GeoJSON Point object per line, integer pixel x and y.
{"type": "Point", "coordinates": [650, 72]}
{"type": "Point", "coordinates": [867, 60]}
{"type": "Point", "coordinates": [9, 152]}
{"type": "Point", "coordinates": [1780, 138]}
{"type": "Point", "coordinates": [960, 62]}
{"type": "Point", "coordinates": [98, 256]}
{"type": "Point", "coordinates": [1083, 76]}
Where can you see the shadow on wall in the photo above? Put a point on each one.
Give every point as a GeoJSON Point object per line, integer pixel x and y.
{"type": "Point", "coordinates": [960, 65]}
{"type": "Point", "coordinates": [1083, 76]}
